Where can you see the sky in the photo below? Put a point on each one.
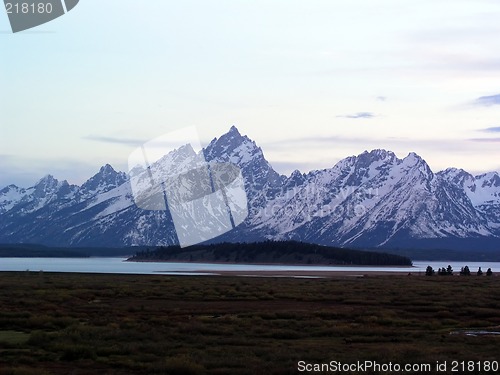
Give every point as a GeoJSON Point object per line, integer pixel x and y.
{"type": "Point", "coordinates": [311, 82]}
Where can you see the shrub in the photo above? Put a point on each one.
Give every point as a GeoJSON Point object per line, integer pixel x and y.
{"type": "Point", "coordinates": [465, 271]}
{"type": "Point", "coordinates": [429, 271]}
{"type": "Point", "coordinates": [183, 366]}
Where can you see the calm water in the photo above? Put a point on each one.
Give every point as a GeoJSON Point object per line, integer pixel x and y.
{"type": "Point", "coordinates": [117, 265]}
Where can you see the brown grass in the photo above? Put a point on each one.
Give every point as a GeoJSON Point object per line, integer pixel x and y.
{"type": "Point", "coordinates": [130, 324]}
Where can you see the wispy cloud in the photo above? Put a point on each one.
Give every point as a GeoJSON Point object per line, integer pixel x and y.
{"type": "Point", "coordinates": [493, 140]}
{"type": "Point", "coordinates": [122, 141]}
{"type": "Point", "coordinates": [488, 101]}
{"type": "Point", "coordinates": [381, 98]}
{"type": "Point", "coordinates": [493, 129]}
{"type": "Point", "coordinates": [359, 115]}
{"type": "Point", "coordinates": [394, 143]}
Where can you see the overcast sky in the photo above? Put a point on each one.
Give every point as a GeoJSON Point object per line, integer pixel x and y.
{"type": "Point", "coordinates": [310, 81]}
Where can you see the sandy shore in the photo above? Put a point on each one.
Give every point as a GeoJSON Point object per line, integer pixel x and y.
{"type": "Point", "coordinates": [310, 274]}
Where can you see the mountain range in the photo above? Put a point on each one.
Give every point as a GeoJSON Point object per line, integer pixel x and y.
{"type": "Point", "coordinates": [372, 200]}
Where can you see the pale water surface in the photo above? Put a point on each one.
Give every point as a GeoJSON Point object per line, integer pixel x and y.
{"type": "Point", "coordinates": [118, 265]}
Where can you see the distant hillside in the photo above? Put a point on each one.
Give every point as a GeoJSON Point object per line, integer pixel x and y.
{"type": "Point", "coordinates": [40, 251]}
{"type": "Point", "coordinates": [431, 254]}
{"type": "Point", "coordinates": [280, 252]}
{"type": "Point", "coordinates": [37, 251]}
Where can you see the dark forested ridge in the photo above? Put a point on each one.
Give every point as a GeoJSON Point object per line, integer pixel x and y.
{"type": "Point", "coordinates": [277, 252]}
{"type": "Point", "coordinates": [40, 251]}
{"type": "Point", "coordinates": [37, 251]}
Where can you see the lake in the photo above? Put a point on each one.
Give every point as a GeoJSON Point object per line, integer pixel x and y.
{"type": "Point", "coordinates": [118, 265]}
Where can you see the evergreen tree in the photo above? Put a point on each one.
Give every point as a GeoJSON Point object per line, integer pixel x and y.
{"type": "Point", "coordinates": [449, 270]}
{"type": "Point", "coordinates": [429, 271]}
{"type": "Point", "coordinates": [442, 272]}
{"type": "Point", "coordinates": [489, 272]}
{"type": "Point", "coordinates": [466, 271]}
{"type": "Point", "coordinates": [480, 272]}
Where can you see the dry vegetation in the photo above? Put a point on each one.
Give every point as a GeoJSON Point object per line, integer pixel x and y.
{"type": "Point", "coordinates": [135, 324]}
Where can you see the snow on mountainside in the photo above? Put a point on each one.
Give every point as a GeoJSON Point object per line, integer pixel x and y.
{"type": "Point", "coordinates": [261, 180]}
{"type": "Point", "coordinates": [374, 199]}
{"type": "Point", "coordinates": [105, 180]}
{"type": "Point", "coordinates": [10, 196]}
{"type": "Point", "coordinates": [483, 191]}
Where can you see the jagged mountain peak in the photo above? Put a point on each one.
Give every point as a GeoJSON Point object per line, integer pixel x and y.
{"type": "Point", "coordinates": [232, 144]}
{"type": "Point", "coordinates": [236, 148]}
{"type": "Point", "coordinates": [9, 196]}
{"type": "Point", "coordinates": [178, 160]}
{"type": "Point", "coordinates": [260, 178]}
{"type": "Point", "coordinates": [452, 171]}
{"type": "Point", "coordinates": [377, 154]}
{"type": "Point", "coordinates": [491, 179]}
{"type": "Point", "coordinates": [416, 162]}
{"type": "Point", "coordinates": [355, 170]}
{"type": "Point", "coordinates": [45, 186]}
{"type": "Point", "coordinates": [8, 188]}
{"type": "Point", "coordinates": [107, 169]}
{"type": "Point", "coordinates": [47, 180]}
{"type": "Point", "coordinates": [296, 179]}
{"type": "Point", "coordinates": [186, 150]}
{"type": "Point", "coordinates": [233, 130]}
{"type": "Point", "coordinates": [414, 157]}
{"type": "Point", "coordinates": [457, 176]}
{"type": "Point", "coordinates": [371, 199]}
{"type": "Point", "coordinates": [176, 156]}
{"type": "Point", "coordinates": [106, 179]}
{"type": "Point", "coordinates": [369, 157]}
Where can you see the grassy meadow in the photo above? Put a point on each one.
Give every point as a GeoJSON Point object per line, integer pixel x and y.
{"type": "Point", "coordinates": [146, 324]}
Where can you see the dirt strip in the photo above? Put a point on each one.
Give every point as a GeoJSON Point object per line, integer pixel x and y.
{"type": "Point", "coordinates": [314, 274]}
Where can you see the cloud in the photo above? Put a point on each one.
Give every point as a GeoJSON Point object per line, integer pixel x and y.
{"type": "Point", "coordinates": [396, 144]}
{"type": "Point", "coordinates": [494, 140]}
{"type": "Point", "coordinates": [487, 101]}
{"type": "Point", "coordinates": [494, 129]}
{"type": "Point", "coordinates": [359, 115]}
{"type": "Point", "coordinates": [121, 141]}
{"type": "Point", "coordinates": [381, 98]}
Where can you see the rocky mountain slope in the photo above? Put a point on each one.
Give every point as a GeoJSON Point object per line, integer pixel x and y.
{"type": "Point", "coordinates": [371, 200]}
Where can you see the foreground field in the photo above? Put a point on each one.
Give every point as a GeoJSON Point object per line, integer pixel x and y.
{"type": "Point", "coordinates": [135, 324]}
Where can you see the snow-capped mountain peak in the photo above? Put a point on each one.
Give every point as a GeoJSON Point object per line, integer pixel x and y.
{"type": "Point", "coordinates": [46, 184]}
{"type": "Point", "coordinates": [103, 181]}
{"type": "Point", "coordinates": [372, 199]}
{"type": "Point", "coordinates": [233, 147]}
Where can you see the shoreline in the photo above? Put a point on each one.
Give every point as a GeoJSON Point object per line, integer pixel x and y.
{"type": "Point", "coordinates": [244, 273]}
{"type": "Point", "coordinates": [307, 274]}
{"type": "Point", "coordinates": [270, 264]}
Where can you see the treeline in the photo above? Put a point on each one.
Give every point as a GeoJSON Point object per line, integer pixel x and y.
{"type": "Point", "coordinates": [277, 252]}
{"type": "Point", "coordinates": [448, 271]}
{"type": "Point", "coordinates": [37, 251]}
{"type": "Point", "coordinates": [41, 251]}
